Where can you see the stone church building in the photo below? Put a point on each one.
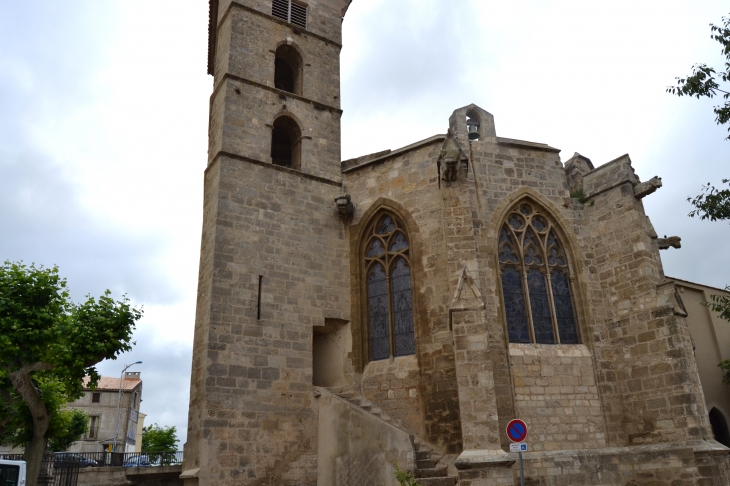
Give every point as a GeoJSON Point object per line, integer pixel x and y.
{"type": "Point", "coordinates": [404, 306]}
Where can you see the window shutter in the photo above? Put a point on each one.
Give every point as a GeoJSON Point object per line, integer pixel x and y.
{"type": "Point", "coordinates": [280, 9]}
{"type": "Point", "coordinates": [299, 15]}
{"type": "Point", "coordinates": [289, 11]}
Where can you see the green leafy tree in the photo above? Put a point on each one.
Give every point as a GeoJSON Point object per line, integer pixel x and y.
{"type": "Point", "coordinates": [47, 345]}
{"type": "Point", "coordinates": [72, 425]}
{"type": "Point", "coordinates": [713, 203]}
{"type": "Point", "coordinates": [159, 442]}
{"type": "Point", "coordinates": [704, 82]}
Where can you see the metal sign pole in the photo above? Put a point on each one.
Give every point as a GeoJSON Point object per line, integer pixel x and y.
{"type": "Point", "coordinates": [522, 472]}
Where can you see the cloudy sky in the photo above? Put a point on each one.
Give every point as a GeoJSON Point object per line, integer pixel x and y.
{"type": "Point", "coordinates": [103, 129]}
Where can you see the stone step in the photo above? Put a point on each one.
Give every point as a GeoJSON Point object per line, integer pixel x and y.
{"type": "Point", "coordinates": [447, 481]}
{"type": "Point", "coordinates": [426, 463]}
{"type": "Point", "coordinates": [423, 454]}
{"type": "Point", "coordinates": [432, 472]}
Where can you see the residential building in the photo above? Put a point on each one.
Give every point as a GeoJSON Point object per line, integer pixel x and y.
{"type": "Point", "coordinates": [100, 404]}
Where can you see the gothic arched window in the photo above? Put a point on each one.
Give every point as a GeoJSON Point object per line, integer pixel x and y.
{"type": "Point", "coordinates": [389, 294]}
{"type": "Point", "coordinates": [536, 281]}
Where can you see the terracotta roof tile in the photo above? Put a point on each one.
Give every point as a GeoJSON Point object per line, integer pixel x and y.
{"type": "Point", "coordinates": [109, 383]}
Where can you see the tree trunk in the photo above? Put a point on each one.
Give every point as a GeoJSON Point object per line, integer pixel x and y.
{"type": "Point", "coordinates": [34, 451]}
{"type": "Point", "coordinates": [31, 396]}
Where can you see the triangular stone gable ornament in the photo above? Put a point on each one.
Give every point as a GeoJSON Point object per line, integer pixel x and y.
{"type": "Point", "coordinates": [467, 295]}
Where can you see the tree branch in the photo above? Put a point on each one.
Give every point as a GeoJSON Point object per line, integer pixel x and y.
{"type": "Point", "coordinates": [40, 366]}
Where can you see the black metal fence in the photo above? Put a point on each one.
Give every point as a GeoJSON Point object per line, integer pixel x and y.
{"type": "Point", "coordinates": [56, 469]}
{"type": "Point", "coordinates": [62, 461]}
{"type": "Point", "coordinates": [124, 459]}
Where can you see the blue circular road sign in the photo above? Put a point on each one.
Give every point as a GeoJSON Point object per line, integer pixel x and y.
{"type": "Point", "coordinates": [517, 430]}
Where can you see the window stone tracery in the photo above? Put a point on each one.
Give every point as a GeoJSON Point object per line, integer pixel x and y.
{"type": "Point", "coordinates": [536, 281]}
{"type": "Point", "coordinates": [389, 289]}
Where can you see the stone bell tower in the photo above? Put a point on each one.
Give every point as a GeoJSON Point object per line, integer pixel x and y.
{"type": "Point", "coordinates": [273, 261]}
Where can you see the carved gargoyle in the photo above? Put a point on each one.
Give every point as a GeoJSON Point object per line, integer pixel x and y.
{"type": "Point", "coordinates": [648, 187]}
{"type": "Point", "coordinates": [345, 206]}
{"type": "Point", "coordinates": [666, 243]}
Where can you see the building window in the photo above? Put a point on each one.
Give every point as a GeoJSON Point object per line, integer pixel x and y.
{"type": "Point", "coordinates": [95, 397]}
{"type": "Point", "coordinates": [536, 281]}
{"type": "Point", "coordinates": [288, 69]}
{"type": "Point", "coordinates": [291, 12]}
{"type": "Point", "coordinates": [286, 143]}
{"type": "Point", "coordinates": [94, 422]}
{"type": "Point", "coordinates": [389, 294]}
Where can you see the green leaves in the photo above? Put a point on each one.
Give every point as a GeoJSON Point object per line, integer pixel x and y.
{"type": "Point", "coordinates": [162, 440]}
{"type": "Point", "coordinates": [405, 478]}
{"type": "Point", "coordinates": [67, 427]}
{"type": "Point", "coordinates": [52, 343]}
{"type": "Point", "coordinates": [725, 367]}
{"type": "Point", "coordinates": [702, 82]}
{"type": "Point", "coordinates": [712, 203]}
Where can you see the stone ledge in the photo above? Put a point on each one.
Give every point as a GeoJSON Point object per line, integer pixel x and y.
{"type": "Point", "coordinates": [477, 459]}
{"type": "Point", "coordinates": [153, 470]}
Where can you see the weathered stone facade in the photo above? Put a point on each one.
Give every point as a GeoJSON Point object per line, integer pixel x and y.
{"type": "Point", "coordinates": [285, 318]}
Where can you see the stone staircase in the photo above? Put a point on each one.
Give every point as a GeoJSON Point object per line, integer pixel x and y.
{"type": "Point", "coordinates": [429, 473]}
{"type": "Point", "coordinates": [430, 470]}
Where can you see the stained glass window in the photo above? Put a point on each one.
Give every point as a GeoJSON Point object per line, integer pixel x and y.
{"type": "Point", "coordinates": [378, 307]}
{"type": "Point", "coordinates": [389, 292]}
{"type": "Point", "coordinates": [514, 302]}
{"type": "Point", "coordinates": [535, 279]}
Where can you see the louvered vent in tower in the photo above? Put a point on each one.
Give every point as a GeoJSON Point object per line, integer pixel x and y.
{"type": "Point", "coordinates": [290, 12]}
{"type": "Point", "coordinates": [299, 15]}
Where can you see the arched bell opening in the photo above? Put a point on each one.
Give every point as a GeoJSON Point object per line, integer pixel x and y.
{"type": "Point", "coordinates": [288, 70]}
{"type": "Point", "coordinates": [286, 142]}
{"type": "Point", "coordinates": [473, 125]}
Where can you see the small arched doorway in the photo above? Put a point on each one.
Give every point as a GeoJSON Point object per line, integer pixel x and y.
{"type": "Point", "coordinates": [286, 143]}
{"type": "Point", "coordinates": [288, 70]}
{"type": "Point", "coordinates": [719, 427]}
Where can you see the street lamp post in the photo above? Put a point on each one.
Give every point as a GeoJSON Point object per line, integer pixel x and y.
{"type": "Point", "coordinates": [119, 403]}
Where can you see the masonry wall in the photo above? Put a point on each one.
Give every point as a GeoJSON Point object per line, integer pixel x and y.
{"type": "Point", "coordinates": [356, 447]}
{"type": "Point", "coordinates": [243, 114]}
{"type": "Point", "coordinates": [325, 16]}
{"type": "Point", "coordinates": [624, 466]}
{"type": "Point", "coordinates": [556, 394]}
{"type": "Point", "coordinates": [126, 476]}
{"type": "Point", "coordinates": [321, 57]}
{"type": "Point", "coordinates": [394, 387]}
{"type": "Point", "coordinates": [256, 418]}
{"type": "Point", "coordinates": [503, 174]}
{"type": "Point", "coordinates": [643, 350]}
{"type": "Point", "coordinates": [408, 185]}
